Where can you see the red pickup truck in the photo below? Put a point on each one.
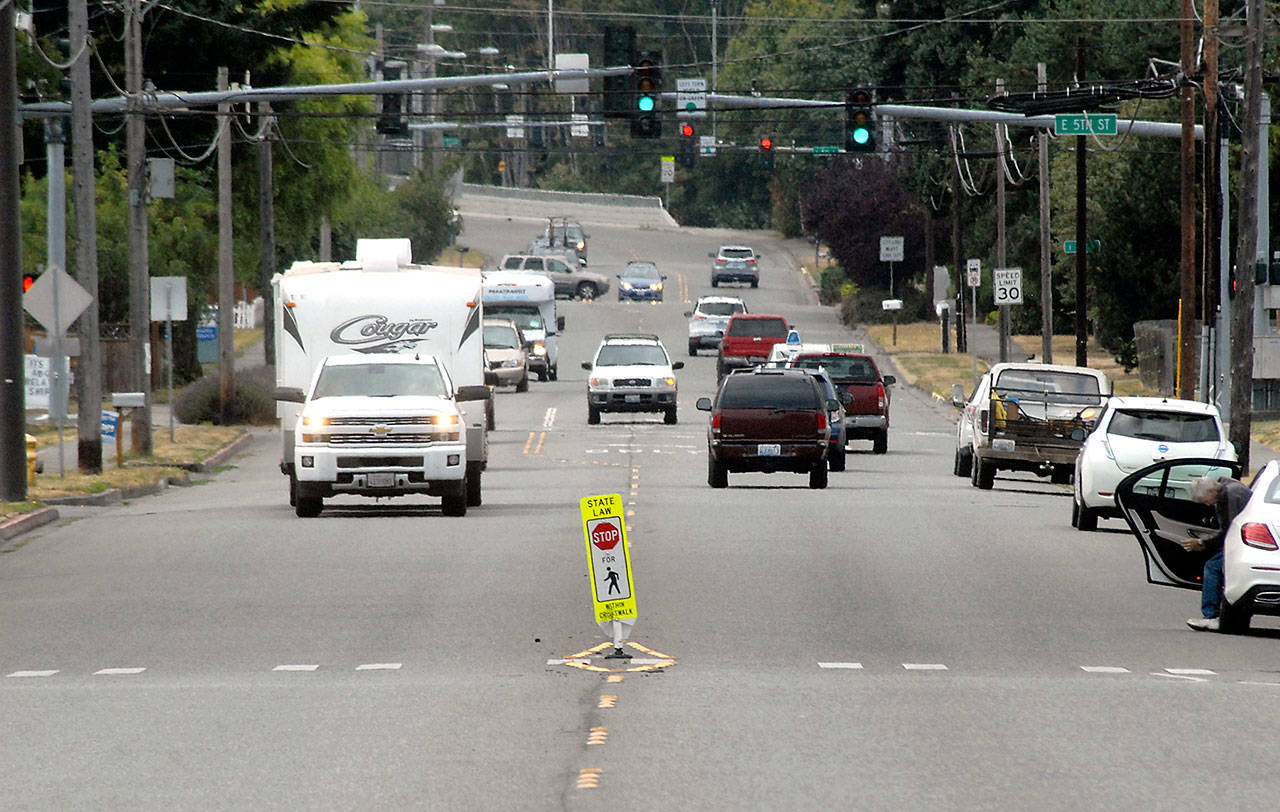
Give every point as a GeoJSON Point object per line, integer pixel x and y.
{"type": "Point", "coordinates": [866, 415]}
{"type": "Point", "coordinates": [748, 338]}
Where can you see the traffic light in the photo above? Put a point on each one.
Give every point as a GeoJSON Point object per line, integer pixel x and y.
{"type": "Point", "coordinates": [391, 120]}
{"type": "Point", "coordinates": [766, 153]}
{"type": "Point", "coordinates": [858, 136]}
{"type": "Point", "coordinates": [28, 279]}
{"type": "Point", "coordinates": [647, 78]}
{"type": "Point", "coordinates": [688, 147]}
{"type": "Point", "coordinates": [619, 49]}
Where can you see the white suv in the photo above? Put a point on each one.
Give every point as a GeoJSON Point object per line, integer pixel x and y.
{"type": "Point", "coordinates": [631, 372]}
{"type": "Point", "coordinates": [708, 319]}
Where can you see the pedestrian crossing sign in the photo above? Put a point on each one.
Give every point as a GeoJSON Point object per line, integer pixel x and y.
{"type": "Point", "coordinates": [604, 526]}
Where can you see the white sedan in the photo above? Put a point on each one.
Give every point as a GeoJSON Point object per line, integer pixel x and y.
{"type": "Point", "coordinates": [1155, 501]}
{"type": "Point", "coordinates": [1133, 433]}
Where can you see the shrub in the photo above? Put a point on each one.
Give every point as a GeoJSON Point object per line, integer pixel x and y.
{"type": "Point", "coordinates": [252, 402]}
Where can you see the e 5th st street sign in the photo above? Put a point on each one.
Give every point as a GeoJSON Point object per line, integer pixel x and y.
{"type": "Point", "coordinates": [1084, 123]}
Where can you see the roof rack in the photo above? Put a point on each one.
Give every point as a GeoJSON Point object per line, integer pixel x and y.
{"type": "Point", "coordinates": [646, 336]}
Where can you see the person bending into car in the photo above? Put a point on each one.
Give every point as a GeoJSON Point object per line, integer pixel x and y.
{"type": "Point", "coordinates": [1228, 497]}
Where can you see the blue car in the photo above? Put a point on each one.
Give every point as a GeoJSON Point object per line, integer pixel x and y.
{"type": "Point", "coordinates": [641, 281]}
{"type": "Point", "coordinates": [836, 451]}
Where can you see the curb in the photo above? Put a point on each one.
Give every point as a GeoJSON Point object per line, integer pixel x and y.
{"type": "Point", "coordinates": [117, 495]}
{"type": "Point", "coordinates": [28, 521]}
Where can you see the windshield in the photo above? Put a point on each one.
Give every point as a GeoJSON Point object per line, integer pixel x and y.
{"type": "Point", "coordinates": [526, 317]}
{"type": "Point", "coordinates": [768, 392]}
{"type": "Point", "coordinates": [758, 328]}
{"type": "Point", "coordinates": [1050, 385]}
{"type": "Point", "coordinates": [721, 308]}
{"type": "Point", "coordinates": [380, 380]}
{"type": "Point", "coordinates": [615, 355]}
{"type": "Point", "coordinates": [1165, 427]}
{"type": "Point", "coordinates": [638, 270]}
{"type": "Point", "coordinates": [840, 367]}
{"type": "Point", "coordinates": [500, 337]}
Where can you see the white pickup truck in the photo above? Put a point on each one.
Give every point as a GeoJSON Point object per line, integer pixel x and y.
{"type": "Point", "coordinates": [380, 425]}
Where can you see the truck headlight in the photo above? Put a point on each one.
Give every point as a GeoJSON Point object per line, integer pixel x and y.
{"type": "Point", "coordinates": [314, 420]}
{"type": "Point", "coordinates": [539, 348]}
{"type": "Point", "coordinates": [667, 382]}
{"type": "Point", "coordinates": [444, 420]}
{"type": "Point", "coordinates": [511, 362]}
{"type": "Point", "coordinates": [602, 382]}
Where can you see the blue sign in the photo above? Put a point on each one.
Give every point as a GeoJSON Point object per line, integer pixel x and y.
{"type": "Point", "coordinates": [207, 333]}
{"type": "Point", "coordinates": [110, 420]}
{"type": "Point", "coordinates": [793, 337]}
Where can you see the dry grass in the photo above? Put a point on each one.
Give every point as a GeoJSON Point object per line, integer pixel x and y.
{"type": "Point", "coordinates": [465, 259]}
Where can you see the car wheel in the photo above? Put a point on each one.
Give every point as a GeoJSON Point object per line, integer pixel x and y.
{"type": "Point", "coordinates": [986, 474]}
{"type": "Point", "coordinates": [1086, 519]}
{"type": "Point", "coordinates": [881, 443]}
{"type": "Point", "coordinates": [818, 476]}
{"type": "Point", "coordinates": [293, 490]}
{"type": "Point", "coordinates": [474, 494]}
{"type": "Point", "coordinates": [755, 283]}
{"type": "Point", "coordinates": [308, 507]}
{"type": "Point", "coordinates": [670, 416]}
{"type": "Point", "coordinates": [693, 348]}
{"type": "Point", "coordinates": [490, 416]}
{"type": "Point", "coordinates": [554, 373]}
{"type": "Point", "coordinates": [1061, 475]}
{"type": "Point", "coordinates": [837, 458]}
{"type": "Point", "coordinates": [963, 462]}
{"type": "Point", "coordinates": [717, 474]}
{"type": "Point", "coordinates": [1075, 512]}
{"type": "Point", "coordinates": [715, 283]}
{"type": "Point", "coordinates": [1233, 619]}
{"type": "Point", "coordinates": [586, 291]}
{"type": "Point", "coordinates": [543, 375]}
{"type": "Point", "coordinates": [523, 385]}
{"type": "Point", "coordinates": [593, 415]}
{"type": "Point", "coordinates": [455, 504]}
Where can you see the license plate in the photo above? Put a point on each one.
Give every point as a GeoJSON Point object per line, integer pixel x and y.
{"type": "Point", "coordinates": [1002, 445]}
{"type": "Point", "coordinates": [631, 398]}
{"type": "Point", "coordinates": [769, 450]}
{"type": "Point", "coordinates": [382, 480]}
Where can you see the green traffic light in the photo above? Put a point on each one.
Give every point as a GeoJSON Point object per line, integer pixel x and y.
{"type": "Point", "coordinates": [861, 135]}
{"type": "Point", "coordinates": [645, 103]}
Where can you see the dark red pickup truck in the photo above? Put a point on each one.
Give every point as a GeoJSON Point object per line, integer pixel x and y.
{"type": "Point", "coordinates": [748, 338]}
{"type": "Point", "coordinates": [768, 420]}
{"type": "Point", "coordinates": [866, 415]}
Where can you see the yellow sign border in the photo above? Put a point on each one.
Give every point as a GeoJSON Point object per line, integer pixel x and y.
{"type": "Point", "coordinates": [608, 506]}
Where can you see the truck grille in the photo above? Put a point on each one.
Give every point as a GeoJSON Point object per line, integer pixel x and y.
{"type": "Point", "coordinates": [387, 439]}
{"type": "Point", "coordinates": [409, 420]}
{"type": "Point", "coordinates": [633, 382]}
{"type": "Point", "coordinates": [380, 462]}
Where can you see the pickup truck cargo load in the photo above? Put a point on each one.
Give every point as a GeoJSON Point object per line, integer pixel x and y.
{"type": "Point", "coordinates": [381, 304]}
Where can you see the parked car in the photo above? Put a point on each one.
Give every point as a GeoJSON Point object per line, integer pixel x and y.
{"type": "Point", "coordinates": [748, 338]}
{"type": "Point", "coordinates": [631, 372]}
{"type": "Point", "coordinates": [866, 412]}
{"type": "Point", "coordinates": [507, 353]}
{"type": "Point", "coordinates": [641, 281]}
{"type": "Point", "coordinates": [1133, 433]}
{"type": "Point", "coordinates": [570, 281]}
{"type": "Point", "coordinates": [735, 263]}
{"type": "Point", "coordinates": [1156, 504]}
{"type": "Point", "coordinates": [768, 420]}
{"type": "Point", "coordinates": [836, 453]}
{"type": "Point", "coordinates": [708, 319]}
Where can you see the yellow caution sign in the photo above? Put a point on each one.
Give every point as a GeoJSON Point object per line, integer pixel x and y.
{"type": "Point", "coordinates": [606, 534]}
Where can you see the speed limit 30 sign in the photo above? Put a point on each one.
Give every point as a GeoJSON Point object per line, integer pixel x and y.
{"type": "Point", "coordinates": [1007, 285]}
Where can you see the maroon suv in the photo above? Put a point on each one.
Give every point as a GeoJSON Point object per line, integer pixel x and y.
{"type": "Point", "coordinates": [768, 420]}
{"type": "Point", "coordinates": [748, 338]}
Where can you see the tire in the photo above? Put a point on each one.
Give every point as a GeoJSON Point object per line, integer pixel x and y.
{"type": "Point", "coordinates": [670, 416]}
{"type": "Point", "coordinates": [715, 283]}
{"type": "Point", "coordinates": [755, 283]}
{"type": "Point", "coordinates": [523, 385]}
{"type": "Point", "coordinates": [1086, 519]}
{"type": "Point", "coordinates": [1062, 475]}
{"type": "Point", "coordinates": [818, 476]}
{"type": "Point", "coordinates": [693, 348]}
{"type": "Point", "coordinates": [543, 375]}
{"type": "Point", "coordinates": [717, 474]}
{"type": "Point", "coordinates": [986, 476]}
{"type": "Point", "coordinates": [719, 370]}
{"type": "Point", "coordinates": [593, 415]}
{"type": "Point", "coordinates": [1233, 619]}
{"type": "Point", "coordinates": [455, 504]}
{"type": "Point", "coordinates": [963, 461]}
{"type": "Point", "coordinates": [293, 491]}
{"type": "Point", "coordinates": [308, 507]}
{"type": "Point", "coordinates": [490, 416]}
{"type": "Point", "coordinates": [1075, 512]}
{"type": "Point", "coordinates": [474, 494]}
{"type": "Point", "coordinates": [586, 291]}
{"type": "Point", "coordinates": [554, 373]}
{"type": "Point", "coordinates": [880, 444]}
{"type": "Point", "coordinates": [837, 459]}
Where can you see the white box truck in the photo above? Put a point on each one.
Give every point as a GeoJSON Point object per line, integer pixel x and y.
{"type": "Point", "coordinates": [528, 299]}
{"type": "Point", "coordinates": [381, 304]}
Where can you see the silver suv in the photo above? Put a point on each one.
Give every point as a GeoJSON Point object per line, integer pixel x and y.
{"type": "Point", "coordinates": [632, 372]}
{"type": "Point", "coordinates": [569, 281]}
{"type": "Point", "coordinates": [735, 263]}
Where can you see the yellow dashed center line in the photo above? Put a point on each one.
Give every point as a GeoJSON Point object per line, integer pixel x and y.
{"type": "Point", "coordinates": [598, 735]}
{"type": "Point", "coordinates": [529, 443]}
{"type": "Point", "coordinates": [608, 700]}
{"type": "Point", "coordinates": [589, 778]}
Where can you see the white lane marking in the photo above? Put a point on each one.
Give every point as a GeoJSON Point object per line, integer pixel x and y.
{"type": "Point", "coordinates": [572, 660]}
{"type": "Point", "coordinates": [1104, 669]}
{"type": "Point", "coordinates": [549, 419]}
{"type": "Point", "coordinates": [34, 673]}
{"type": "Point", "coordinates": [1191, 672]}
{"type": "Point", "coordinates": [378, 667]}
{"type": "Point", "coordinates": [1177, 676]}
{"type": "Point", "coordinates": [298, 667]}
{"type": "Point", "coordinates": [113, 671]}
{"type": "Point", "coordinates": [1268, 684]}
{"type": "Point", "coordinates": [924, 666]}
{"type": "Point", "coordinates": [849, 666]}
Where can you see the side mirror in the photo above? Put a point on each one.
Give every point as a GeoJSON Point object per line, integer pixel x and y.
{"type": "Point", "coordinates": [678, 365]}
{"type": "Point", "coordinates": [688, 314]}
{"type": "Point", "coordinates": [618, 275]}
{"type": "Point", "coordinates": [833, 405]}
{"type": "Point", "coordinates": [846, 398]}
{"type": "Point", "coordinates": [664, 277]}
{"type": "Point", "coordinates": [560, 324]}
{"type": "Point", "coordinates": [703, 404]}
{"type": "Point", "coordinates": [586, 365]}
{"type": "Point", "coordinates": [890, 380]}
{"type": "Point", "coordinates": [472, 393]}
{"type": "Point", "coordinates": [292, 394]}
{"type": "Point", "coordinates": [957, 396]}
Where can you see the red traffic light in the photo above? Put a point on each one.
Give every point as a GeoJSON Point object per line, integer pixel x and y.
{"type": "Point", "coordinates": [28, 279]}
{"type": "Point", "coordinates": [766, 143]}
{"type": "Point", "coordinates": [687, 130]}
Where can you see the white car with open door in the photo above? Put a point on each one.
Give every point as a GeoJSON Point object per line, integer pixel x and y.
{"type": "Point", "coordinates": [1133, 433]}
{"type": "Point", "coordinates": [1156, 503]}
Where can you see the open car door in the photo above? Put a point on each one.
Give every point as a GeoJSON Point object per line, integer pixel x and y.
{"type": "Point", "coordinates": [1156, 502]}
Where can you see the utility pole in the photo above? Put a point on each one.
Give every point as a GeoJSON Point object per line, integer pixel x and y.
{"type": "Point", "coordinates": [267, 232]}
{"type": "Point", "coordinates": [1046, 268]}
{"type": "Point", "coordinates": [1003, 310]}
{"type": "Point", "coordinates": [13, 394]}
{"type": "Point", "coordinates": [226, 264]}
{"type": "Point", "coordinates": [1212, 212]}
{"type": "Point", "coordinates": [957, 255]}
{"type": "Point", "coordinates": [1187, 195]}
{"type": "Point", "coordinates": [1246, 238]}
{"type": "Point", "coordinates": [1082, 295]}
{"type": "Point", "coordinates": [89, 370]}
{"type": "Point", "coordinates": [139, 270]}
